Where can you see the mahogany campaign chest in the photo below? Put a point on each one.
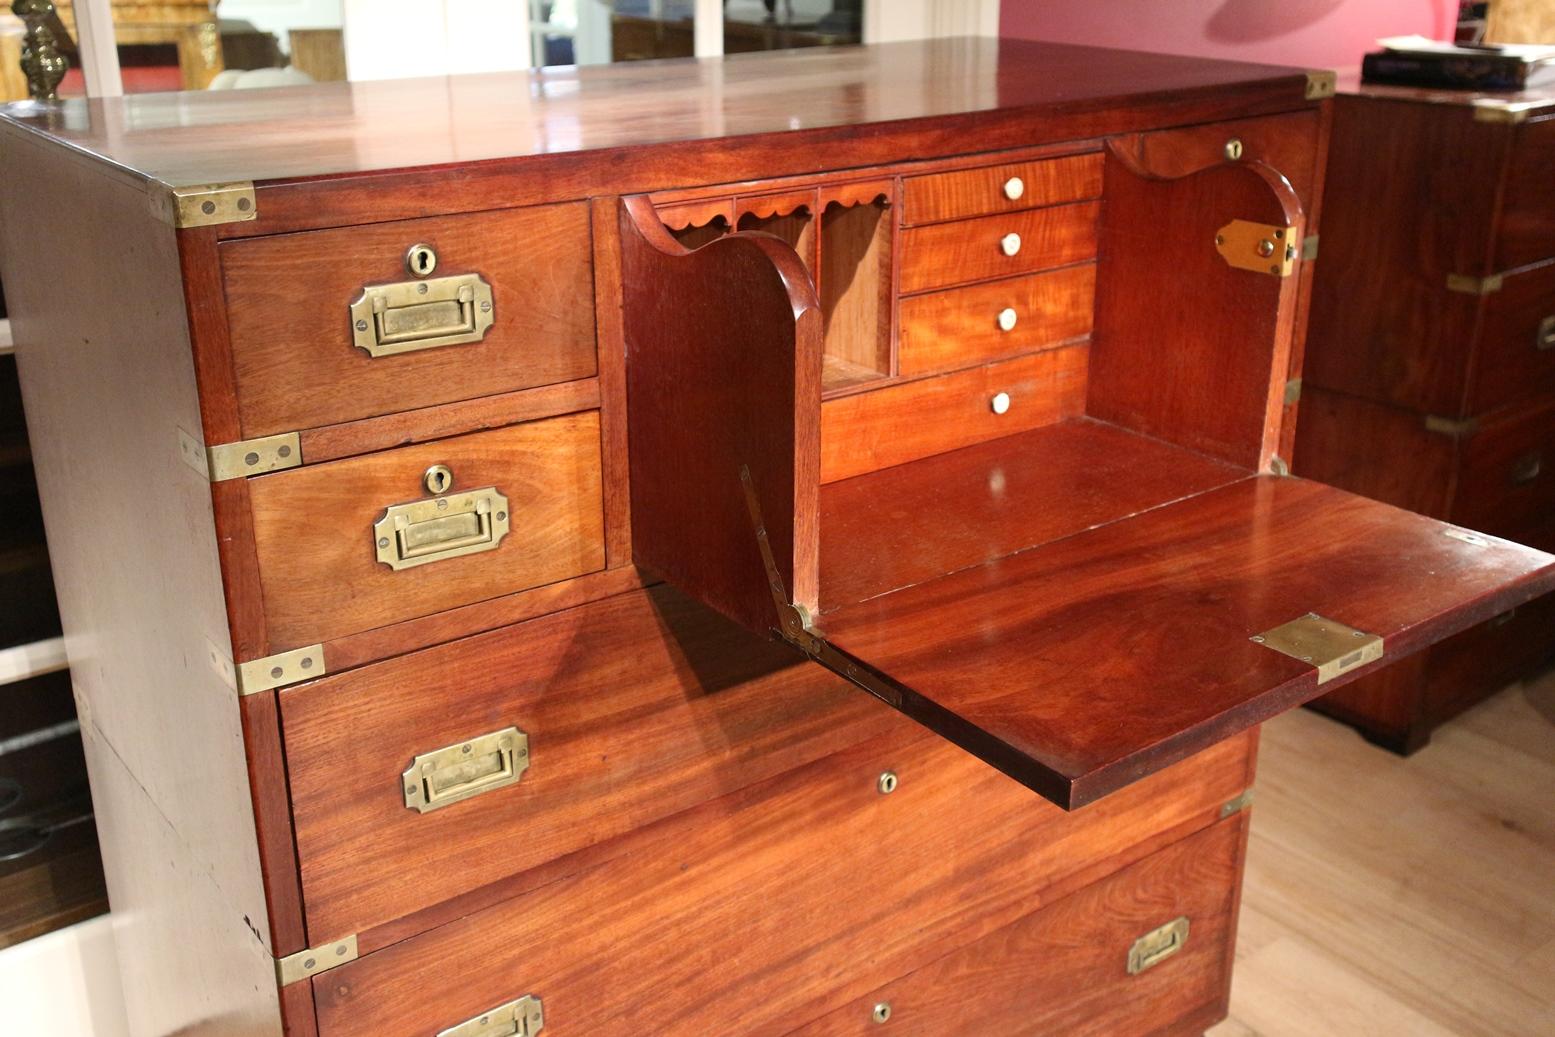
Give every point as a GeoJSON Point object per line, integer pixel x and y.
{"type": "Point", "coordinates": [791, 544]}
{"type": "Point", "coordinates": [1430, 374]}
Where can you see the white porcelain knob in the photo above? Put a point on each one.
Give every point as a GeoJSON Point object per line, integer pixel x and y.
{"type": "Point", "coordinates": [1007, 318]}
{"type": "Point", "coordinates": [1000, 403]}
{"type": "Point", "coordinates": [1010, 243]}
{"type": "Point", "coordinates": [1014, 187]}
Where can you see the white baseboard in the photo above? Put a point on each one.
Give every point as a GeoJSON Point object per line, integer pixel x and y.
{"type": "Point", "coordinates": [64, 982]}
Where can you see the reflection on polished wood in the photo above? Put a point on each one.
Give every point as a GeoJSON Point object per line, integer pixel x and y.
{"type": "Point", "coordinates": [356, 127]}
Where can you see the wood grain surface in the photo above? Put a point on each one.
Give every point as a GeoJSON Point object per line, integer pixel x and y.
{"type": "Point", "coordinates": [289, 299]}
{"type": "Point", "coordinates": [313, 528]}
{"type": "Point", "coordinates": [981, 192]}
{"type": "Point", "coordinates": [915, 522]}
{"type": "Point", "coordinates": [942, 331]}
{"type": "Point", "coordinates": [737, 884]}
{"type": "Point", "coordinates": [1192, 350]}
{"type": "Point", "coordinates": [908, 421]}
{"type": "Point", "coordinates": [1005, 659]}
{"type": "Point", "coordinates": [963, 251]}
{"type": "Point", "coordinates": [723, 365]}
{"type": "Point", "coordinates": [1064, 969]}
{"type": "Point", "coordinates": [635, 708]}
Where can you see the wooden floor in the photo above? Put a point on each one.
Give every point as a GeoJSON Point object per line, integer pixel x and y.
{"type": "Point", "coordinates": [1403, 896]}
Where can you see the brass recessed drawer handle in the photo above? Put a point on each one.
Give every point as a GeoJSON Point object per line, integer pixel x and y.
{"type": "Point", "coordinates": [457, 772]}
{"type": "Point", "coordinates": [388, 319]}
{"type": "Point", "coordinates": [450, 526]}
{"type": "Point", "coordinates": [1157, 945]}
{"type": "Point", "coordinates": [1527, 468]}
{"type": "Point", "coordinates": [1544, 338]}
{"type": "Point", "coordinates": [522, 1018]}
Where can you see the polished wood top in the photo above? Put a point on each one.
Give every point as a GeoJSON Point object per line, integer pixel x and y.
{"type": "Point", "coordinates": [1535, 100]}
{"type": "Point", "coordinates": [348, 128]}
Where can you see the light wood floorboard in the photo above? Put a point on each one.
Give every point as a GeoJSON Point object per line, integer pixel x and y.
{"type": "Point", "coordinates": [1412, 896]}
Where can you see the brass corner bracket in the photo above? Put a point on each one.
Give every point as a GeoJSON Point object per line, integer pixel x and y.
{"type": "Point", "coordinates": [205, 205]}
{"type": "Point", "coordinates": [1471, 285]}
{"type": "Point", "coordinates": [1321, 83]}
{"type": "Point", "coordinates": [244, 458]}
{"type": "Point", "coordinates": [1328, 645]}
{"type": "Point", "coordinates": [297, 967]}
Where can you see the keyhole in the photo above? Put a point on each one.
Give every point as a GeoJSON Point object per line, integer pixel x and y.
{"type": "Point", "coordinates": [420, 260]}
{"type": "Point", "coordinates": [438, 479]}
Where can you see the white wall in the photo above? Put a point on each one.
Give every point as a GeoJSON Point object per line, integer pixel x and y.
{"type": "Point", "coordinates": [279, 16]}
{"type": "Point", "coordinates": [398, 39]}
{"type": "Point", "coordinates": [66, 982]}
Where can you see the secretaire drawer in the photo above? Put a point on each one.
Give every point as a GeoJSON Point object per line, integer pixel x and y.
{"type": "Point", "coordinates": [964, 251]}
{"type": "Point", "coordinates": [334, 325]}
{"type": "Point", "coordinates": [618, 713]}
{"type": "Point", "coordinates": [1515, 353]}
{"type": "Point", "coordinates": [955, 328]}
{"type": "Point", "coordinates": [1002, 188]}
{"type": "Point", "coordinates": [1506, 475]}
{"type": "Point", "coordinates": [351, 545]}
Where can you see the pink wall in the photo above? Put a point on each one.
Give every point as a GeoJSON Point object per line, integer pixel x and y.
{"type": "Point", "coordinates": [1309, 33]}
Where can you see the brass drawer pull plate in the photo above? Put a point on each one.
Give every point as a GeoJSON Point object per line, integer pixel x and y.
{"type": "Point", "coordinates": [522, 1018]}
{"type": "Point", "coordinates": [389, 319]}
{"type": "Point", "coordinates": [1157, 945]}
{"type": "Point", "coordinates": [458, 772]}
{"type": "Point", "coordinates": [439, 528]}
{"type": "Point", "coordinates": [1544, 338]}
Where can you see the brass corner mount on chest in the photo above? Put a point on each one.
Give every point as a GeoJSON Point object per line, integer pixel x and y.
{"type": "Point", "coordinates": [205, 205]}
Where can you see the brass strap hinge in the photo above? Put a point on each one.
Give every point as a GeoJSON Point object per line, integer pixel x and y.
{"type": "Point", "coordinates": [203, 205]}
{"type": "Point", "coordinates": [1327, 644]}
{"type": "Point", "coordinates": [797, 627]}
{"type": "Point", "coordinates": [1309, 247]}
{"type": "Point", "coordinates": [1261, 247]}
{"type": "Point", "coordinates": [297, 967]}
{"type": "Point", "coordinates": [1452, 428]}
{"type": "Point", "coordinates": [243, 458]}
{"type": "Point", "coordinates": [275, 671]}
{"type": "Point", "coordinates": [1321, 83]}
{"type": "Point", "coordinates": [1237, 805]}
{"type": "Point", "coordinates": [1470, 285]}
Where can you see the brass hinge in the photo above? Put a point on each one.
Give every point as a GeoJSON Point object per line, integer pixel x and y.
{"type": "Point", "coordinates": [1237, 805]}
{"type": "Point", "coordinates": [297, 967]}
{"type": "Point", "coordinates": [203, 205]}
{"type": "Point", "coordinates": [522, 1018]}
{"type": "Point", "coordinates": [1260, 247]}
{"type": "Point", "coordinates": [1327, 644]}
{"type": "Point", "coordinates": [1321, 83]}
{"type": "Point", "coordinates": [1278, 466]}
{"type": "Point", "coordinates": [1452, 428]}
{"type": "Point", "coordinates": [1293, 391]}
{"type": "Point", "coordinates": [797, 627]}
{"type": "Point", "coordinates": [1309, 247]}
{"type": "Point", "coordinates": [243, 458]}
{"type": "Point", "coordinates": [275, 671]}
{"type": "Point", "coordinates": [1470, 285]}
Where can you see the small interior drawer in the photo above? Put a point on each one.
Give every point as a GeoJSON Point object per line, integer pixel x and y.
{"type": "Point", "coordinates": [356, 544]}
{"type": "Point", "coordinates": [946, 254]}
{"type": "Point", "coordinates": [1003, 188]}
{"type": "Point", "coordinates": [334, 325]}
{"type": "Point", "coordinates": [958, 327]}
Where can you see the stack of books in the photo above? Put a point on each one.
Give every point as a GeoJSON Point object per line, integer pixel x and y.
{"type": "Point", "coordinates": [1417, 61]}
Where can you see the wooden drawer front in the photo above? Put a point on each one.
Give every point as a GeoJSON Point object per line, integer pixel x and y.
{"type": "Point", "coordinates": [1506, 482]}
{"type": "Point", "coordinates": [1516, 355]}
{"type": "Point", "coordinates": [912, 420]}
{"type": "Point", "coordinates": [634, 708]}
{"type": "Point", "coordinates": [981, 192]}
{"type": "Point", "coordinates": [948, 254]}
{"type": "Point", "coordinates": [289, 299]}
{"type": "Point", "coordinates": [1065, 969]}
{"type": "Point", "coordinates": [761, 911]}
{"type": "Point", "coordinates": [960, 327]}
{"type": "Point", "coordinates": [1528, 206]}
{"type": "Point", "coordinates": [313, 528]}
